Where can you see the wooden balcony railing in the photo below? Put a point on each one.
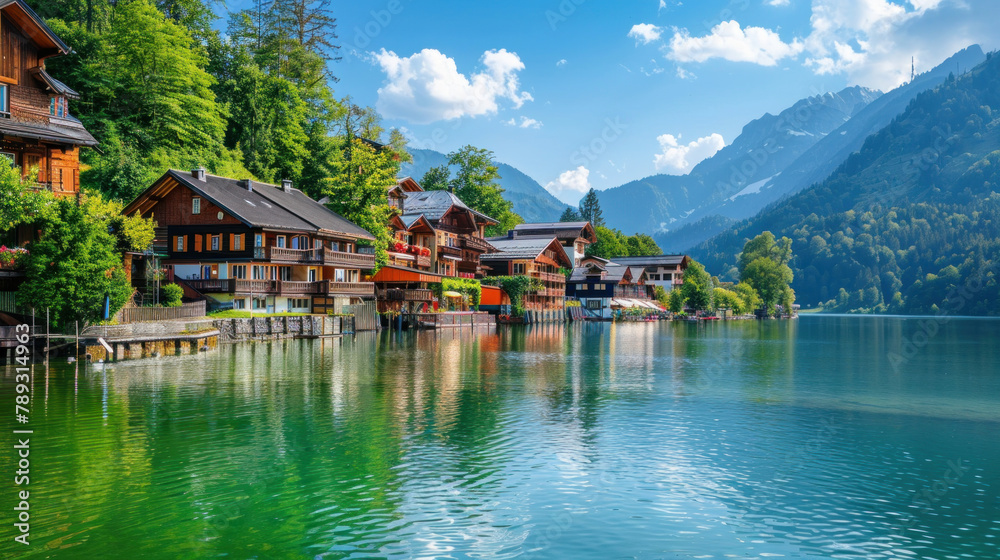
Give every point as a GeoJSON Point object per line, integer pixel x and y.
{"type": "Point", "coordinates": [348, 260]}
{"type": "Point", "coordinates": [284, 254]}
{"type": "Point", "coordinates": [349, 288]}
{"type": "Point", "coordinates": [547, 276]}
{"type": "Point", "coordinates": [448, 250]}
{"type": "Point", "coordinates": [477, 244]}
{"type": "Point", "coordinates": [400, 294]}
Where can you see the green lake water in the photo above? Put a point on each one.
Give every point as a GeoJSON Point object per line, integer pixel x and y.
{"type": "Point", "coordinates": [825, 437]}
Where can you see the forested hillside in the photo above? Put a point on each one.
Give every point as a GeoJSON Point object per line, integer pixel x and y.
{"type": "Point", "coordinates": [161, 88]}
{"type": "Point", "coordinates": [911, 222]}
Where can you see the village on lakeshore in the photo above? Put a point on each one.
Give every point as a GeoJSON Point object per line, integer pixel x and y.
{"type": "Point", "coordinates": [197, 257]}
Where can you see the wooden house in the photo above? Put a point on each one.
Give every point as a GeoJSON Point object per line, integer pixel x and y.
{"type": "Point", "coordinates": [38, 134]}
{"type": "Point", "coordinates": [536, 257]}
{"type": "Point", "coordinates": [573, 236]}
{"type": "Point", "coordinates": [600, 285]}
{"type": "Point", "coordinates": [251, 245]}
{"type": "Point", "coordinates": [661, 270]}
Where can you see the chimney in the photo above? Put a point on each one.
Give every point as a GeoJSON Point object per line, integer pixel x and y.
{"type": "Point", "coordinates": [246, 184]}
{"type": "Point", "coordinates": [451, 189]}
{"type": "Point", "coordinates": [198, 173]}
{"type": "Point", "coordinates": [286, 185]}
{"type": "Point", "coordinates": [510, 234]}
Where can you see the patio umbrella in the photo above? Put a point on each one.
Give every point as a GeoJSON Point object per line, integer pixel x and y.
{"type": "Point", "coordinates": [452, 294]}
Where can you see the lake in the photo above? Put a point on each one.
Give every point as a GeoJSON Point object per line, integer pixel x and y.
{"type": "Point", "coordinates": [825, 437]}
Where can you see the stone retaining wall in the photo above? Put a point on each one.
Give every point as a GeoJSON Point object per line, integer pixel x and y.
{"type": "Point", "coordinates": [263, 328]}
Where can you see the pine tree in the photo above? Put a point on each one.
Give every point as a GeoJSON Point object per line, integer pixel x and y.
{"type": "Point", "coordinates": [590, 209]}
{"type": "Point", "coordinates": [570, 214]}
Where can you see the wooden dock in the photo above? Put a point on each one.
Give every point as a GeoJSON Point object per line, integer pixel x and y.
{"type": "Point", "coordinates": [454, 319]}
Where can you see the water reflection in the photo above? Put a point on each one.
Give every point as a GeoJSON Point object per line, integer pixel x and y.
{"type": "Point", "coordinates": [640, 440]}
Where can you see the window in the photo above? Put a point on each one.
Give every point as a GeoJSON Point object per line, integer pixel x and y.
{"type": "Point", "coordinates": [259, 303]}
{"type": "Point", "coordinates": [258, 240]}
{"type": "Point", "coordinates": [298, 303]}
{"type": "Point", "coordinates": [258, 272]}
{"type": "Point", "coordinates": [338, 275]}
{"type": "Point", "coordinates": [240, 271]}
{"type": "Point", "coordinates": [279, 241]}
{"type": "Point", "coordinates": [237, 243]}
{"type": "Point", "coordinates": [239, 303]}
{"type": "Point", "coordinates": [5, 100]}
{"type": "Point", "coordinates": [593, 304]}
{"type": "Point", "coordinates": [196, 205]}
{"type": "Point", "coordinates": [312, 274]}
{"type": "Point", "coordinates": [518, 268]}
{"type": "Point", "coordinates": [335, 245]}
{"type": "Point", "coordinates": [285, 273]}
{"type": "Point", "coordinates": [58, 107]}
{"type": "Point", "coordinates": [216, 240]}
{"type": "Point", "coordinates": [317, 243]}
{"type": "Point", "coordinates": [654, 277]}
{"type": "Point", "coordinates": [179, 244]}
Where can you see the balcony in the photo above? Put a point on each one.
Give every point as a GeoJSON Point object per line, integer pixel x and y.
{"type": "Point", "coordinates": [551, 292]}
{"type": "Point", "coordinates": [399, 294]}
{"type": "Point", "coordinates": [348, 260]}
{"type": "Point", "coordinates": [548, 276]}
{"type": "Point", "coordinates": [477, 244]}
{"type": "Point", "coordinates": [281, 287]}
{"type": "Point", "coordinates": [449, 250]}
{"type": "Point", "coordinates": [283, 254]}
{"type": "Point", "coordinates": [329, 287]}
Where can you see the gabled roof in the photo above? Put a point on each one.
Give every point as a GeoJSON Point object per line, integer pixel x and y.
{"type": "Point", "coordinates": [69, 130]}
{"type": "Point", "coordinates": [435, 204]}
{"type": "Point", "coordinates": [53, 84]}
{"type": "Point", "coordinates": [521, 248]}
{"type": "Point", "coordinates": [653, 260]}
{"type": "Point", "coordinates": [408, 184]}
{"type": "Point", "coordinates": [612, 273]}
{"type": "Point", "coordinates": [34, 26]}
{"type": "Point", "coordinates": [264, 206]}
{"type": "Point", "coordinates": [562, 230]}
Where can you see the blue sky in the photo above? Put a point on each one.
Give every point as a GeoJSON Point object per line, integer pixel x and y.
{"type": "Point", "coordinates": [590, 93]}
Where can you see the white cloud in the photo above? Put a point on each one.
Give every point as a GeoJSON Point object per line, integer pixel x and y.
{"type": "Point", "coordinates": [684, 74]}
{"type": "Point", "coordinates": [570, 185]}
{"type": "Point", "coordinates": [681, 158]}
{"type": "Point", "coordinates": [526, 122]}
{"type": "Point", "coordinates": [779, 2]}
{"type": "Point", "coordinates": [561, 62]}
{"type": "Point", "coordinates": [645, 32]}
{"type": "Point", "coordinates": [729, 41]}
{"type": "Point", "coordinates": [427, 86]}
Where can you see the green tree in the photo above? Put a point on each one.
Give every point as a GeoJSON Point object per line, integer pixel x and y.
{"type": "Point", "coordinates": [570, 214]}
{"type": "Point", "coordinates": [436, 178]}
{"type": "Point", "coordinates": [676, 301]}
{"type": "Point", "coordinates": [475, 184]}
{"type": "Point", "coordinates": [763, 264]}
{"type": "Point", "coordinates": [642, 245]}
{"type": "Point", "coordinates": [697, 287]}
{"type": "Point", "coordinates": [610, 243]}
{"type": "Point", "coordinates": [357, 191]}
{"type": "Point", "coordinates": [749, 297]}
{"type": "Point", "coordinates": [75, 264]}
{"type": "Point", "coordinates": [19, 203]}
{"type": "Point", "coordinates": [590, 209]}
{"type": "Point", "coordinates": [660, 294]}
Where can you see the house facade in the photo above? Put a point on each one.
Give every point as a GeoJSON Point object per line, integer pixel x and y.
{"type": "Point", "coordinates": [536, 257]}
{"type": "Point", "coordinates": [38, 134]}
{"type": "Point", "coordinates": [573, 236]}
{"type": "Point", "coordinates": [661, 270]}
{"type": "Point", "coordinates": [601, 285]}
{"type": "Point", "coordinates": [435, 236]}
{"type": "Point", "coordinates": [251, 245]}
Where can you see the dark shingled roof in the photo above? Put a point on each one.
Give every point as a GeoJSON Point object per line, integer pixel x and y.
{"type": "Point", "coordinates": [615, 273]}
{"type": "Point", "coordinates": [653, 260]}
{"type": "Point", "coordinates": [63, 47]}
{"type": "Point", "coordinates": [435, 204]}
{"type": "Point", "coordinates": [54, 84]}
{"type": "Point", "coordinates": [269, 206]}
{"type": "Point", "coordinates": [517, 248]}
{"type": "Point", "coordinates": [69, 130]}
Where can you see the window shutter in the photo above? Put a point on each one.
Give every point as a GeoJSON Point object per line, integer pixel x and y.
{"type": "Point", "coordinates": [243, 239]}
{"type": "Point", "coordinates": [173, 244]}
{"type": "Point", "coordinates": [187, 239]}
{"type": "Point", "coordinates": [232, 241]}
{"type": "Point", "coordinates": [197, 243]}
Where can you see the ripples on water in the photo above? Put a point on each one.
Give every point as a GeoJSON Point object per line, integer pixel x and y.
{"type": "Point", "coordinates": [739, 440]}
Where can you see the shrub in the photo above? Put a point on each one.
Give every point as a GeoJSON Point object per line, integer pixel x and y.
{"type": "Point", "coordinates": [172, 294]}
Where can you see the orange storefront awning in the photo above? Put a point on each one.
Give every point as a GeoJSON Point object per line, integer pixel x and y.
{"type": "Point", "coordinates": [401, 274]}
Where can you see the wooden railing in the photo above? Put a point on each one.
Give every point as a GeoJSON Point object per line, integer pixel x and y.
{"type": "Point", "coordinates": [448, 250]}
{"type": "Point", "coordinates": [456, 319]}
{"type": "Point", "coordinates": [146, 314]}
{"type": "Point", "coordinates": [292, 288]}
{"type": "Point", "coordinates": [551, 292]}
{"type": "Point", "coordinates": [349, 288]}
{"type": "Point", "coordinates": [631, 292]}
{"type": "Point", "coordinates": [284, 254]}
{"type": "Point", "coordinates": [221, 286]}
{"type": "Point", "coordinates": [477, 244]}
{"type": "Point", "coordinates": [351, 260]}
{"type": "Point", "coordinates": [400, 294]}
{"type": "Point", "coordinates": [548, 276]}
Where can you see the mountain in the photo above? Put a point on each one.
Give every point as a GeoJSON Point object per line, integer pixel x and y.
{"type": "Point", "coordinates": [826, 149]}
{"type": "Point", "coordinates": [908, 224]}
{"type": "Point", "coordinates": [762, 150]}
{"type": "Point", "coordinates": [531, 201]}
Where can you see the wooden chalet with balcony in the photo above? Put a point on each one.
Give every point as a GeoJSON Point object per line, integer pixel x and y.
{"type": "Point", "coordinates": [601, 285]}
{"type": "Point", "coordinates": [573, 236]}
{"type": "Point", "coordinates": [251, 245]}
{"type": "Point", "coordinates": [435, 235]}
{"type": "Point", "coordinates": [661, 270]}
{"type": "Point", "coordinates": [536, 257]}
{"type": "Point", "coordinates": [37, 132]}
